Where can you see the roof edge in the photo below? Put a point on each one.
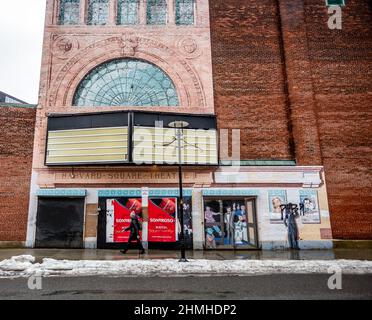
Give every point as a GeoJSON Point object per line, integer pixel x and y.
{"type": "Point", "coordinates": [18, 105]}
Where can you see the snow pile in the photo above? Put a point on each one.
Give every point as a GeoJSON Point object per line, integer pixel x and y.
{"type": "Point", "coordinates": [19, 263]}
{"type": "Point", "coordinates": [24, 266]}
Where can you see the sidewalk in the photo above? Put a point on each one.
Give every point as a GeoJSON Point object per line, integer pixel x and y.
{"type": "Point", "coordinates": [115, 255]}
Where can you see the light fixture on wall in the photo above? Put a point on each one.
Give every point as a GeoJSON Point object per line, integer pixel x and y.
{"type": "Point", "coordinates": [72, 174]}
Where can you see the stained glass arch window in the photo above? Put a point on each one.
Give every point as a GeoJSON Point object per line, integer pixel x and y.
{"type": "Point", "coordinates": [126, 82]}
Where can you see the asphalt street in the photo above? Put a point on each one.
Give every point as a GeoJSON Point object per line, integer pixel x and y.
{"type": "Point", "coordinates": [190, 288]}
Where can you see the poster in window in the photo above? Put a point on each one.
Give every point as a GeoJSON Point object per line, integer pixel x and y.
{"type": "Point", "coordinates": [162, 220]}
{"type": "Point", "coordinates": [118, 218]}
{"type": "Point", "coordinates": [276, 199]}
{"type": "Point", "coordinates": [310, 213]}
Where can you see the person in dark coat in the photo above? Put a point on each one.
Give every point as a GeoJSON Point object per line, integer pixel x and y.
{"type": "Point", "coordinates": [134, 229]}
{"type": "Point", "coordinates": [291, 214]}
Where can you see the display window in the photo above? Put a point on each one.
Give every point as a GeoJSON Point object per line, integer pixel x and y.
{"type": "Point", "coordinates": [230, 223]}
{"type": "Point", "coordinates": [163, 221]}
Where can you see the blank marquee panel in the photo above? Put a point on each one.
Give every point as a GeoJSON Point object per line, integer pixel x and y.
{"type": "Point", "coordinates": [150, 145]}
{"type": "Point", "coordinates": [94, 145]}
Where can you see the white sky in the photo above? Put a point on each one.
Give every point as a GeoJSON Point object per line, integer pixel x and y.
{"type": "Point", "coordinates": [21, 38]}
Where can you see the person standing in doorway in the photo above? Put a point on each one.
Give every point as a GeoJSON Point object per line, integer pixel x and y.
{"type": "Point", "coordinates": [134, 229]}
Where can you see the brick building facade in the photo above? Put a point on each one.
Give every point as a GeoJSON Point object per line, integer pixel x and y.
{"type": "Point", "coordinates": [255, 57]}
{"type": "Point", "coordinates": [341, 72]}
{"type": "Point", "coordinates": [17, 123]}
{"type": "Point", "coordinates": [298, 92]}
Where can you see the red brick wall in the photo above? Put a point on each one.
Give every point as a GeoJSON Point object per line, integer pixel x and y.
{"type": "Point", "coordinates": [16, 144]}
{"type": "Point", "coordinates": [320, 80]}
{"type": "Point", "coordinates": [342, 81]}
{"type": "Point", "coordinates": [248, 76]}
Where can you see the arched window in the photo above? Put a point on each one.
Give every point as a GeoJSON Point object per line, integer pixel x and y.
{"type": "Point", "coordinates": [126, 82]}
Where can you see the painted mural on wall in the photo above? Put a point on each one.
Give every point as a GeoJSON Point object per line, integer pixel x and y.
{"type": "Point", "coordinates": [291, 214]}
{"type": "Point", "coordinates": [225, 223]}
{"type": "Point", "coordinates": [309, 207]}
{"type": "Point", "coordinates": [277, 198]}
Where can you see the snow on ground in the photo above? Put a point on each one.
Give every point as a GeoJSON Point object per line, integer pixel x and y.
{"type": "Point", "coordinates": [25, 266]}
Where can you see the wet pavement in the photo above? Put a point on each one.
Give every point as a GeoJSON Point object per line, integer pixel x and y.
{"type": "Point", "coordinates": [89, 254]}
{"type": "Point", "coordinates": [280, 286]}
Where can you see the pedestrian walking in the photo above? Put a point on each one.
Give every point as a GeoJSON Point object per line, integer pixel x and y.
{"type": "Point", "coordinates": [134, 229]}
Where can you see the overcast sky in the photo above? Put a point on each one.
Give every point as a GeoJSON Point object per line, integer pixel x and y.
{"type": "Point", "coordinates": [21, 37]}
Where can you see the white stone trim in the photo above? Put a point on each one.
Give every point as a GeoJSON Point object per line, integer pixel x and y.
{"type": "Point", "coordinates": [90, 243]}
{"type": "Point", "coordinates": [32, 211]}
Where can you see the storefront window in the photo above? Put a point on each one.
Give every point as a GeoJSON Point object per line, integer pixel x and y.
{"type": "Point", "coordinates": [69, 12]}
{"type": "Point", "coordinates": [157, 12]}
{"type": "Point", "coordinates": [227, 223]}
{"type": "Point", "coordinates": [98, 12]}
{"type": "Point", "coordinates": [185, 12]}
{"type": "Point", "coordinates": [163, 222]}
{"type": "Point", "coordinates": [128, 12]}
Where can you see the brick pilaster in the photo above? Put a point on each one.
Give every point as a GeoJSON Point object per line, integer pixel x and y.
{"type": "Point", "coordinates": [299, 81]}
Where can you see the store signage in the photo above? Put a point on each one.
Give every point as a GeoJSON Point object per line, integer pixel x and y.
{"type": "Point", "coordinates": [84, 146]}
{"type": "Point", "coordinates": [153, 145]}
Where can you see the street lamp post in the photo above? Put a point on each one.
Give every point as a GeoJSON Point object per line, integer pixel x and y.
{"type": "Point", "coordinates": [180, 125]}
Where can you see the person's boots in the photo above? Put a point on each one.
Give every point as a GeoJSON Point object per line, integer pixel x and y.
{"type": "Point", "coordinates": [124, 251]}
{"type": "Point", "coordinates": [142, 251]}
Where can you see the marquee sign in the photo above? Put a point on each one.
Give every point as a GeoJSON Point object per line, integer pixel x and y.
{"type": "Point", "coordinates": [95, 145]}
{"type": "Point", "coordinates": [130, 138]}
{"type": "Point", "coordinates": [160, 146]}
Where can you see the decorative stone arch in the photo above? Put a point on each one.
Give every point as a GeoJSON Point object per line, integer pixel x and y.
{"type": "Point", "coordinates": [185, 79]}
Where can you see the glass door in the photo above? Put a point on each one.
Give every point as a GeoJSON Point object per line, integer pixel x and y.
{"type": "Point", "coordinates": [252, 223]}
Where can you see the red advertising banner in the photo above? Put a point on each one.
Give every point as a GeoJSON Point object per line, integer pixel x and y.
{"type": "Point", "coordinates": [162, 220]}
{"type": "Point", "coordinates": [118, 219]}
{"type": "Point", "coordinates": [162, 225]}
